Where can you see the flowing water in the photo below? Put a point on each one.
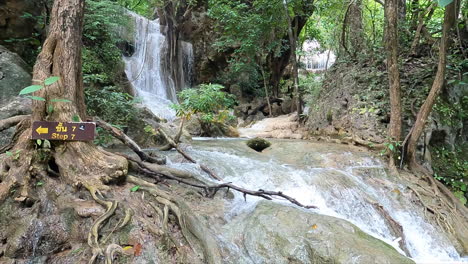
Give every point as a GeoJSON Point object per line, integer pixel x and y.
{"type": "Point", "coordinates": [343, 182]}
{"type": "Point", "coordinates": [144, 68]}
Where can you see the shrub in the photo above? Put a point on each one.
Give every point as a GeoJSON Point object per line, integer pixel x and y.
{"type": "Point", "coordinates": [208, 103]}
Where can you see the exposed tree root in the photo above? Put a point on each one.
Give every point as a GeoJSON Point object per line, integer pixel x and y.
{"type": "Point", "coordinates": [194, 232]}
{"type": "Point", "coordinates": [12, 121]}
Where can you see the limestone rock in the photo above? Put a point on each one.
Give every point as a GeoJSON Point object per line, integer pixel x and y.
{"type": "Point", "coordinates": [275, 233]}
{"type": "Point", "coordinates": [14, 75]}
{"type": "Point", "coordinates": [258, 144]}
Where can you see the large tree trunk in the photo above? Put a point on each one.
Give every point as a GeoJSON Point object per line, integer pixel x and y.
{"type": "Point", "coordinates": [391, 22]}
{"type": "Point", "coordinates": [78, 163]}
{"type": "Point", "coordinates": [437, 85]}
{"type": "Point", "coordinates": [277, 64]}
{"type": "Point", "coordinates": [352, 34]}
{"type": "Point", "coordinates": [293, 40]}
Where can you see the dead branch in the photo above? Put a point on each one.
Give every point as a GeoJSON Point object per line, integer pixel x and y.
{"type": "Point", "coordinates": [120, 135]}
{"type": "Point", "coordinates": [176, 146]}
{"type": "Point", "coordinates": [211, 190]}
{"type": "Point", "coordinates": [11, 121]}
{"type": "Point", "coordinates": [395, 227]}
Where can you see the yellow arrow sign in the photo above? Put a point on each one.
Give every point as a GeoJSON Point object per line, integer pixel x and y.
{"type": "Point", "coordinates": [42, 130]}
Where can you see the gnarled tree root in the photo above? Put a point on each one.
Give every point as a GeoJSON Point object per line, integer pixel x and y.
{"type": "Point", "coordinates": [93, 235]}
{"type": "Point", "coordinates": [193, 230]}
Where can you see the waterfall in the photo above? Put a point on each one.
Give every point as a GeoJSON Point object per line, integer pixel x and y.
{"type": "Point", "coordinates": [341, 182]}
{"type": "Point", "coordinates": [144, 68]}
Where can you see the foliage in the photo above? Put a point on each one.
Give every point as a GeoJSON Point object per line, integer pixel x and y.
{"type": "Point", "coordinates": [112, 106]}
{"type": "Point", "coordinates": [101, 57]}
{"type": "Point", "coordinates": [311, 84]}
{"type": "Point", "coordinates": [208, 103]}
{"type": "Point", "coordinates": [451, 168]}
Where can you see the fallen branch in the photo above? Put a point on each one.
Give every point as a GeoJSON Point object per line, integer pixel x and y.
{"type": "Point", "coordinates": [395, 227]}
{"type": "Point", "coordinates": [211, 190]}
{"type": "Point", "coordinates": [120, 135]}
{"type": "Point", "coordinates": [176, 146]}
{"type": "Point", "coordinates": [11, 121]}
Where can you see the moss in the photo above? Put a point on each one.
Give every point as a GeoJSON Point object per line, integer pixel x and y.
{"type": "Point", "coordinates": [258, 144]}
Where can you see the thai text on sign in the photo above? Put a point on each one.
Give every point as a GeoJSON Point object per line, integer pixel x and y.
{"type": "Point", "coordinates": [75, 131]}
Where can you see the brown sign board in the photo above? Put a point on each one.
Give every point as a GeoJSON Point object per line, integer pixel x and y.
{"type": "Point", "coordinates": [65, 131]}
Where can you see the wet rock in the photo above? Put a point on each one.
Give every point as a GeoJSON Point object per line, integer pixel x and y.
{"type": "Point", "coordinates": [258, 144]}
{"type": "Point", "coordinates": [276, 233]}
{"type": "Point", "coordinates": [14, 75]}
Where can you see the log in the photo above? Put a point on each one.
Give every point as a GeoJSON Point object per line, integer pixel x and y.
{"type": "Point", "coordinates": [120, 135]}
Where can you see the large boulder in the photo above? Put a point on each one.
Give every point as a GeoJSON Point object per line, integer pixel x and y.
{"type": "Point", "coordinates": [275, 233]}
{"type": "Point", "coordinates": [16, 106]}
{"type": "Point", "coordinates": [14, 75]}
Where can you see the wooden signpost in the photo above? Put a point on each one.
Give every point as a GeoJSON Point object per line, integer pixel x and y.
{"type": "Point", "coordinates": [64, 131]}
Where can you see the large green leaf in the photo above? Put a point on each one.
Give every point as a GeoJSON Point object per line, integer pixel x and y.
{"type": "Point", "coordinates": [444, 3]}
{"type": "Point", "coordinates": [51, 80]}
{"type": "Point", "coordinates": [31, 89]}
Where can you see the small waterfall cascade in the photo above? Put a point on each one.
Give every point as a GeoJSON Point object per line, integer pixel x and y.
{"type": "Point", "coordinates": [315, 60]}
{"type": "Point", "coordinates": [341, 183]}
{"type": "Point", "coordinates": [145, 71]}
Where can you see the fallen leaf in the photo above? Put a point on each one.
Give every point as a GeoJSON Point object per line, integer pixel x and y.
{"type": "Point", "coordinates": [137, 251]}
{"type": "Point", "coordinates": [314, 226]}
{"type": "Point", "coordinates": [127, 248]}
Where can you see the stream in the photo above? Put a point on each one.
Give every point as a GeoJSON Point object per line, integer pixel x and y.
{"type": "Point", "coordinates": [347, 184]}
{"type": "Point", "coordinates": [342, 181]}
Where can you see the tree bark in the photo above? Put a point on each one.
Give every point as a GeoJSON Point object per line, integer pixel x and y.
{"type": "Point", "coordinates": [426, 108]}
{"type": "Point", "coordinates": [61, 56]}
{"type": "Point", "coordinates": [391, 19]}
{"type": "Point", "coordinates": [293, 41]}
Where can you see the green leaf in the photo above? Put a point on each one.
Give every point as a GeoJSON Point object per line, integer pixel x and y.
{"type": "Point", "coordinates": [9, 154]}
{"type": "Point", "coordinates": [76, 118]}
{"type": "Point", "coordinates": [51, 80]}
{"type": "Point", "coordinates": [38, 98]}
{"type": "Point", "coordinates": [31, 89]}
{"type": "Point", "coordinates": [47, 144]}
{"type": "Point", "coordinates": [50, 109]}
{"type": "Point", "coordinates": [39, 142]}
{"type": "Point", "coordinates": [444, 3]}
{"type": "Point", "coordinates": [135, 188]}
{"type": "Point", "coordinates": [60, 101]}
{"type": "Point", "coordinates": [39, 183]}
{"type": "Point", "coordinates": [391, 147]}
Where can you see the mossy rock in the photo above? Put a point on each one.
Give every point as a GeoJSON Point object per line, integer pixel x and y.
{"type": "Point", "coordinates": [258, 144]}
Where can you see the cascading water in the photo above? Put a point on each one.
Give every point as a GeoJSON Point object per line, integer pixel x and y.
{"type": "Point", "coordinates": [341, 183]}
{"type": "Point", "coordinates": [144, 67]}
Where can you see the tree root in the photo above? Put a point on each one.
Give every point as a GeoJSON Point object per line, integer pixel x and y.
{"type": "Point", "coordinates": [93, 235]}
{"type": "Point", "coordinates": [194, 232]}
{"type": "Point", "coordinates": [12, 121]}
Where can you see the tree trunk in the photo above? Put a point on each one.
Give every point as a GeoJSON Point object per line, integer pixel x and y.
{"type": "Point", "coordinates": [77, 162]}
{"type": "Point", "coordinates": [391, 19]}
{"type": "Point", "coordinates": [437, 85]}
{"type": "Point", "coordinates": [293, 41]}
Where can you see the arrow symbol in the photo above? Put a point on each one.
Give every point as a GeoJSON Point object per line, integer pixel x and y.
{"type": "Point", "coordinates": [42, 130]}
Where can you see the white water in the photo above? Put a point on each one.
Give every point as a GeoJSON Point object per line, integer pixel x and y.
{"type": "Point", "coordinates": [144, 68]}
{"type": "Point", "coordinates": [341, 184]}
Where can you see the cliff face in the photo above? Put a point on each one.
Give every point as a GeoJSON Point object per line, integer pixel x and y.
{"type": "Point", "coordinates": [20, 23]}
